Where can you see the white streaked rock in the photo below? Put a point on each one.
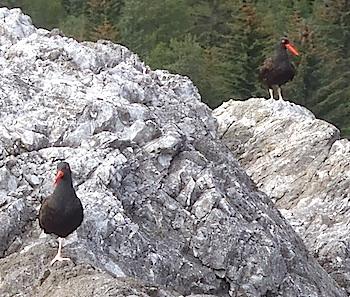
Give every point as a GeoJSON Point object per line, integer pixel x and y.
{"type": "Point", "coordinates": [165, 201]}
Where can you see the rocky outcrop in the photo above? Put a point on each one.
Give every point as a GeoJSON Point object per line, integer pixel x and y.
{"type": "Point", "coordinates": [35, 278]}
{"type": "Point", "coordinates": [168, 210]}
{"type": "Point", "coordinates": [301, 163]}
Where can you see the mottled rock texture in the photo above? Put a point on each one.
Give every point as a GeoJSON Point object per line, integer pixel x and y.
{"type": "Point", "coordinates": [304, 166]}
{"type": "Point", "coordinates": [168, 210]}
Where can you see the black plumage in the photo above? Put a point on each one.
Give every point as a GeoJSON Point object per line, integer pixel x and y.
{"type": "Point", "coordinates": [62, 212]}
{"type": "Point", "coordinates": [278, 70]}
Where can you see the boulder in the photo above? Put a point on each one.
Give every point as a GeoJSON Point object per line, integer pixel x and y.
{"type": "Point", "coordinates": [303, 165]}
{"type": "Point", "coordinates": [168, 209]}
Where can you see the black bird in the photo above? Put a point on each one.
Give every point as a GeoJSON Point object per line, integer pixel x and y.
{"type": "Point", "coordinates": [278, 70]}
{"type": "Point", "coordinates": [62, 212]}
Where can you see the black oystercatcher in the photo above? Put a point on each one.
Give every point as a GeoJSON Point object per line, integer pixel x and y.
{"type": "Point", "coordinates": [62, 212]}
{"type": "Point", "coordinates": [278, 70]}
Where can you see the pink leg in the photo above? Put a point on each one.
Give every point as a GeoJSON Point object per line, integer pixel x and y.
{"type": "Point", "coordinates": [58, 257]}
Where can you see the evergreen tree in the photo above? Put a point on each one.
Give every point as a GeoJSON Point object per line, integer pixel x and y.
{"type": "Point", "coordinates": [187, 57]}
{"type": "Point", "coordinates": [304, 7]}
{"type": "Point", "coordinates": [274, 15]}
{"type": "Point", "coordinates": [243, 52]}
{"type": "Point", "coordinates": [103, 17]}
{"type": "Point", "coordinates": [307, 80]}
{"type": "Point", "coordinates": [210, 20]}
{"type": "Point", "coordinates": [333, 24]}
{"type": "Point", "coordinates": [76, 26]}
{"type": "Point", "coordinates": [146, 23]}
{"type": "Point", "coordinates": [46, 14]}
{"type": "Point", "coordinates": [74, 7]}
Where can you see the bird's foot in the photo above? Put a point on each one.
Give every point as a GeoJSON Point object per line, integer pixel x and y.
{"type": "Point", "coordinates": [59, 258]}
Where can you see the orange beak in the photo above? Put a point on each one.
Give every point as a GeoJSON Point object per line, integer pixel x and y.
{"type": "Point", "coordinates": [292, 49]}
{"type": "Point", "coordinates": [58, 176]}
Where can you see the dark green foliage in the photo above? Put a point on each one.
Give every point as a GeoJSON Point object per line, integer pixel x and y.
{"type": "Point", "coordinates": [76, 26]}
{"type": "Point", "coordinates": [187, 57]}
{"type": "Point", "coordinates": [220, 44]}
{"type": "Point", "coordinates": [210, 20]}
{"type": "Point", "coordinates": [332, 23]}
{"type": "Point", "coordinates": [46, 14]}
{"type": "Point", "coordinates": [11, 3]}
{"type": "Point", "coordinates": [243, 51]}
{"type": "Point", "coordinates": [307, 80]}
{"type": "Point", "coordinates": [74, 7]}
{"type": "Point", "coordinates": [145, 24]}
{"type": "Point", "coordinates": [103, 17]}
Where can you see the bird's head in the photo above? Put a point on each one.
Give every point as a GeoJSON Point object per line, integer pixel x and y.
{"type": "Point", "coordinates": [63, 172]}
{"type": "Point", "coordinates": [285, 43]}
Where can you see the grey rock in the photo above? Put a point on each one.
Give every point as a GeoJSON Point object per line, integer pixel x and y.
{"type": "Point", "coordinates": [68, 279]}
{"type": "Point", "coordinates": [168, 209]}
{"type": "Point", "coordinates": [303, 165]}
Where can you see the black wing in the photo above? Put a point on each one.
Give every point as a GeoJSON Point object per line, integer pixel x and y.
{"type": "Point", "coordinates": [266, 69]}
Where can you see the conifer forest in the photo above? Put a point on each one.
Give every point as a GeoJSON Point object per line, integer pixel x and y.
{"type": "Point", "coordinates": [220, 44]}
